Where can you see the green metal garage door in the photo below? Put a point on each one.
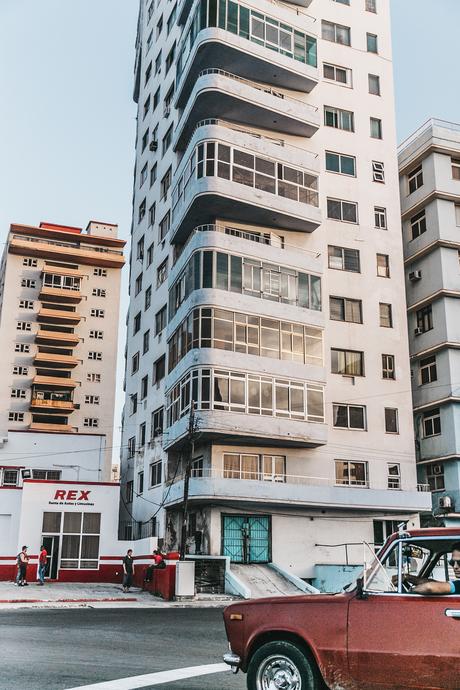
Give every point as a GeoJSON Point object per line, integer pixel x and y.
{"type": "Point", "coordinates": [246, 538]}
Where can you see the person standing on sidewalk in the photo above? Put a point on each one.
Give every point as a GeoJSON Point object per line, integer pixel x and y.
{"type": "Point", "coordinates": [42, 561]}
{"type": "Point", "coordinates": [128, 570]}
{"type": "Point", "coordinates": [23, 560]}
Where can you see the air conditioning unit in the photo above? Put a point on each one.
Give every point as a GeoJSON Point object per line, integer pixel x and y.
{"type": "Point", "coordinates": [414, 276]}
{"type": "Point", "coordinates": [26, 474]}
{"type": "Point", "coordinates": [153, 145]}
{"type": "Point", "coordinates": [437, 469]}
{"type": "Point", "coordinates": [140, 450]}
{"type": "Point", "coordinates": [418, 331]}
{"type": "Point", "coordinates": [446, 503]}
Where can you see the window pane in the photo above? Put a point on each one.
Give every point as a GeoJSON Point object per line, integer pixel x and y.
{"type": "Point", "coordinates": [91, 523]}
{"type": "Point", "coordinates": [72, 523]}
{"type": "Point", "coordinates": [51, 522]}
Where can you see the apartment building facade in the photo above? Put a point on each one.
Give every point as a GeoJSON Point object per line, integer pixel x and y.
{"type": "Point", "coordinates": [59, 296]}
{"type": "Point", "coordinates": [429, 163]}
{"type": "Point", "coordinates": [266, 282]}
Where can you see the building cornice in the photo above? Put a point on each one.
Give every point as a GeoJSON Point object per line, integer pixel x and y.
{"type": "Point", "coordinates": [445, 244]}
{"type": "Point", "coordinates": [432, 196]}
{"type": "Point", "coordinates": [455, 294]}
{"type": "Point", "coordinates": [445, 345]}
{"type": "Point", "coordinates": [437, 403]}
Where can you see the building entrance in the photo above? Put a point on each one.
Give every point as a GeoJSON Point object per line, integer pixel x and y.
{"type": "Point", "coordinates": [246, 538]}
{"type": "Point", "coordinates": [51, 544]}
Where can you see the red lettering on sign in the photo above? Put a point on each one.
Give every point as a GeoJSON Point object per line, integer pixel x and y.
{"type": "Point", "coordinates": [60, 494]}
{"type": "Point", "coordinates": [71, 495]}
{"type": "Point", "coordinates": [84, 495]}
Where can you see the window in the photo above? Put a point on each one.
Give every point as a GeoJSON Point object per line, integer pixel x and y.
{"type": "Point", "coordinates": [150, 249]}
{"type": "Point", "coordinates": [99, 292]}
{"type": "Point", "coordinates": [343, 259]}
{"type": "Point", "coordinates": [153, 174]}
{"type": "Point", "coordinates": [16, 416]}
{"type": "Point", "coordinates": [133, 403]}
{"type": "Point", "coordinates": [91, 422]}
{"type": "Point", "coordinates": [159, 26]}
{"type": "Point", "coordinates": [129, 491]}
{"type": "Point", "coordinates": [343, 309]}
{"type": "Point", "coordinates": [18, 393]}
{"type": "Point", "coordinates": [432, 423]}
{"type": "Point", "coordinates": [386, 315]}
{"type": "Point", "coordinates": [93, 378]}
{"type": "Point", "coordinates": [388, 367]}
{"type": "Point", "coordinates": [341, 163]}
{"type": "Point", "coordinates": [169, 99]}
{"type": "Point", "coordinates": [138, 284]}
{"type": "Point", "coordinates": [383, 265]}
{"type": "Point", "coordinates": [394, 475]}
{"type": "Point", "coordinates": [165, 184]}
{"type": "Point", "coordinates": [349, 416]}
{"type": "Point", "coordinates": [157, 422]}
{"type": "Point", "coordinates": [376, 128]}
{"type": "Point", "coordinates": [342, 75]}
{"type": "Point", "coordinates": [435, 476]}
{"type": "Point", "coordinates": [140, 249]}
{"type": "Point", "coordinates": [457, 215]}
{"type": "Point", "coordinates": [160, 320]}
{"type": "Point", "coordinates": [144, 387]}
{"type": "Point", "coordinates": [147, 106]}
{"type": "Point", "coordinates": [162, 272]}
{"type": "Point", "coordinates": [415, 179]}
{"type": "Point", "coordinates": [171, 19]}
{"type": "Point", "coordinates": [343, 2]}
{"type": "Point", "coordinates": [148, 298]}
{"type": "Point", "coordinates": [28, 283]}
{"type": "Point", "coordinates": [338, 118]}
{"type": "Point", "coordinates": [159, 370]}
{"type": "Point", "coordinates": [148, 72]}
{"type": "Point", "coordinates": [22, 347]}
{"type": "Point", "coordinates": [135, 363]}
{"type": "Point", "coordinates": [167, 139]}
{"type": "Point", "coordinates": [146, 342]}
{"type": "Point", "coordinates": [145, 140]}
{"type": "Point", "coordinates": [455, 169]}
{"type": "Point", "coordinates": [347, 362]}
{"type": "Point", "coordinates": [20, 371]}
{"type": "Point", "coordinates": [372, 43]}
{"type": "Point", "coordinates": [418, 224]}
{"type": "Point", "coordinates": [97, 313]}
{"type": "Point", "coordinates": [30, 263]}
{"type": "Point", "coordinates": [371, 6]}
{"type": "Point", "coordinates": [249, 466]}
{"type": "Point", "coordinates": [428, 370]}
{"type": "Point", "coordinates": [131, 447]}
{"type": "Point", "coordinates": [149, 41]}
{"type": "Point", "coordinates": [143, 175]}
{"type": "Point", "coordinates": [391, 420]}
{"type": "Point", "coordinates": [155, 473]}
{"type": "Point", "coordinates": [26, 304]}
{"type": "Point", "coordinates": [165, 224]}
{"type": "Point", "coordinates": [49, 475]}
{"type": "Point", "coordinates": [345, 211]}
{"type": "Point", "coordinates": [337, 33]}
{"type": "Point", "coordinates": [23, 326]}
{"type": "Point", "coordinates": [170, 58]}
{"type": "Point", "coordinates": [374, 84]}
{"type": "Point", "coordinates": [140, 483]}
{"type": "Point", "coordinates": [425, 318]}
{"type": "Point", "coordinates": [95, 355]}
{"type": "Point", "coordinates": [152, 212]}
{"type": "Point", "coordinates": [378, 171]}
{"type": "Point", "coordinates": [142, 209]}
{"type": "Point", "coordinates": [100, 272]}
{"type": "Point", "coordinates": [10, 477]}
{"type": "Point", "coordinates": [92, 399]}
{"type": "Point", "coordinates": [380, 218]}
{"type": "Point", "coordinates": [351, 473]}
{"type": "Point", "coordinates": [137, 323]}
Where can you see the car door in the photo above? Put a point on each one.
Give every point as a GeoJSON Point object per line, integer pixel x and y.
{"type": "Point", "coordinates": [398, 641]}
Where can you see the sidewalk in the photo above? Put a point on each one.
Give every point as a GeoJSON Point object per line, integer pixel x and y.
{"type": "Point", "coordinates": [90, 595]}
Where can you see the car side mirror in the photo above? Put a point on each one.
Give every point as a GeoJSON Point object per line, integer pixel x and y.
{"type": "Point", "coordinates": [360, 591]}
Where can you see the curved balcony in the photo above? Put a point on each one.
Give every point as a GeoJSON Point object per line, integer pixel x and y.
{"type": "Point", "coordinates": [217, 93]}
{"type": "Point", "coordinates": [231, 173]}
{"type": "Point", "coordinates": [265, 49]}
{"type": "Point", "coordinates": [219, 485]}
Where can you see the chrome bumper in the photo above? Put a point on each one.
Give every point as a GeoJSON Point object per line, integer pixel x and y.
{"type": "Point", "coordinates": [233, 660]}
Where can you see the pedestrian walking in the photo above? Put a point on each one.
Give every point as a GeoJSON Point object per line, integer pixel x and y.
{"type": "Point", "coordinates": [42, 561]}
{"type": "Point", "coordinates": [128, 570]}
{"type": "Point", "coordinates": [23, 560]}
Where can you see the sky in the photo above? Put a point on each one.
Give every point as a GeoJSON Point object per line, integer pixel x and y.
{"type": "Point", "coordinates": [67, 119]}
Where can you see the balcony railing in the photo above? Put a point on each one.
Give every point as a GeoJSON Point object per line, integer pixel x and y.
{"type": "Point", "coordinates": [67, 245]}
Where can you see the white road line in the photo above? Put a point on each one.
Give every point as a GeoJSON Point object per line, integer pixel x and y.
{"type": "Point", "coordinates": [156, 678]}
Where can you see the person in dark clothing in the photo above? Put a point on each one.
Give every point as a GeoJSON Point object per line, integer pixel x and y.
{"type": "Point", "coordinates": [159, 563]}
{"type": "Point", "coordinates": [128, 570]}
{"type": "Point", "coordinates": [23, 560]}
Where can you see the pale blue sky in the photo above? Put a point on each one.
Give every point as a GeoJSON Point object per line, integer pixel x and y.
{"type": "Point", "coordinates": [67, 120]}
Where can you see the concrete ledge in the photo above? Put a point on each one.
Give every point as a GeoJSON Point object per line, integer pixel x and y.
{"type": "Point", "coordinates": [297, 581]}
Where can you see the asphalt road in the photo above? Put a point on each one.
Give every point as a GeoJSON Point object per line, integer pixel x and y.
{"type": "Point", "coordinates": [62, 649]}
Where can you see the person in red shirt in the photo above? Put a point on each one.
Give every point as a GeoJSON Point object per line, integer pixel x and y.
{"type": "Point", "coordinates": [42, 561]}
{"type": "Point", "coordinates": [158, 563]}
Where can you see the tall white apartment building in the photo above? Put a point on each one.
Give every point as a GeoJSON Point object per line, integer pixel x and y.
{"type": "Point", "coordinates": [59, 297]}
{"type": "Point", "coordinates": [267, 284]}
{"type": "Point", "coordinates": [429, 163]}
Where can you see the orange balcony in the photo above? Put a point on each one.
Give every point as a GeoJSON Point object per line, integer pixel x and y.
{"type": "Point", "coordinates": [54, 382]}
{"type": "Point", "coordinates": [56, 250]}
{"type": "Point", "coordinates": [59, 294]}
{"type": "Point", "coordinates": [55, 338]}
{"type": "Point", "coordinates": [55, 360]}
{"type": "Point", "coordinates": [58, 316]}
{"type": "Point", "coordinates": [52, 405]}
{"type": "Point", "coordinates": [51, 428]}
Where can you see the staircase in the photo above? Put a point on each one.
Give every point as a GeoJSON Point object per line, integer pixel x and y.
{"type": "Point", "coordinates": [264, 581]}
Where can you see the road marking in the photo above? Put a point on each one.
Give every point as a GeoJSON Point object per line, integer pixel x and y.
{"type": "Point", "coordinates": [156, 678]}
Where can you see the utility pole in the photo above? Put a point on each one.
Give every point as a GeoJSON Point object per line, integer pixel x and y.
{"type": "Point", "coordinates": [188, 471]}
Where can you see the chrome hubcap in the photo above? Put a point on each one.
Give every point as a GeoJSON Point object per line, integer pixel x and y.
{"type": "Point", "coordinates": [278, 673]}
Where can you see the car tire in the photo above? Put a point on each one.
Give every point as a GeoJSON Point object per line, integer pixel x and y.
{"type": "Point", "coordinates": [283, 663]}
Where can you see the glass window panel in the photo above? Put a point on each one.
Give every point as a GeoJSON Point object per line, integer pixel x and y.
{"type": "Point", "coordinates": [207, 269]}
{"type": "Point", "coordinates": [71, 545]}
{"type": "Point", "coordinates": [222, 271]}
{"type": "Point", "coordinates": [90, 547]}
{"type": "Point", "coordinates": [282, 397]}
{"type": "Point", "coordinates": [231, 466]}
{"type": "Point", "coordinates": [250, 466]}
{"type": "Point", "coordinates": [297, 401]}
{"type": "Point", "coordinates": [236, 276]}
{"type": "Point", "coordinates": [72, 524]}
{"type": "Point", "coordinates": [220, 392]}
{"type": "Point", "coordinates": [91, 523]}
{"type": "Point", "coordinates": [51, 523]}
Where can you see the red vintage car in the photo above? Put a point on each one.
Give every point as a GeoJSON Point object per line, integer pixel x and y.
{"type": "Point", "coordinates": [375, 635]}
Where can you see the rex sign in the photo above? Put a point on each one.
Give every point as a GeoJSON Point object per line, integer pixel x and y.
{"type": "Point", "coordinates": [72, 497]}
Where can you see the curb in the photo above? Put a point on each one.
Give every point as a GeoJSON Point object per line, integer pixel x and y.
{"type": "Point", "coordinates": [66, 601]}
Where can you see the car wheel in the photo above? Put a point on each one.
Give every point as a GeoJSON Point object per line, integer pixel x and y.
{"type": "Point", "coordinates": [281, 666]}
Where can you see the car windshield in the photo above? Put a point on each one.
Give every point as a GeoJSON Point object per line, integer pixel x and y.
{"type": "Point", "coordinates": [381, 573]}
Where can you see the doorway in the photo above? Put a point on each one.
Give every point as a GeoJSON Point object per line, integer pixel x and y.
{"type": "Point", "coordinates": [246, 538]}
{"type": "Point", "coordinates": [51, 544]}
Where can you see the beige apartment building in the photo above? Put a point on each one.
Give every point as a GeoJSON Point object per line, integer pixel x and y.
{"type": "Point", "coordinates": [59, 297]}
